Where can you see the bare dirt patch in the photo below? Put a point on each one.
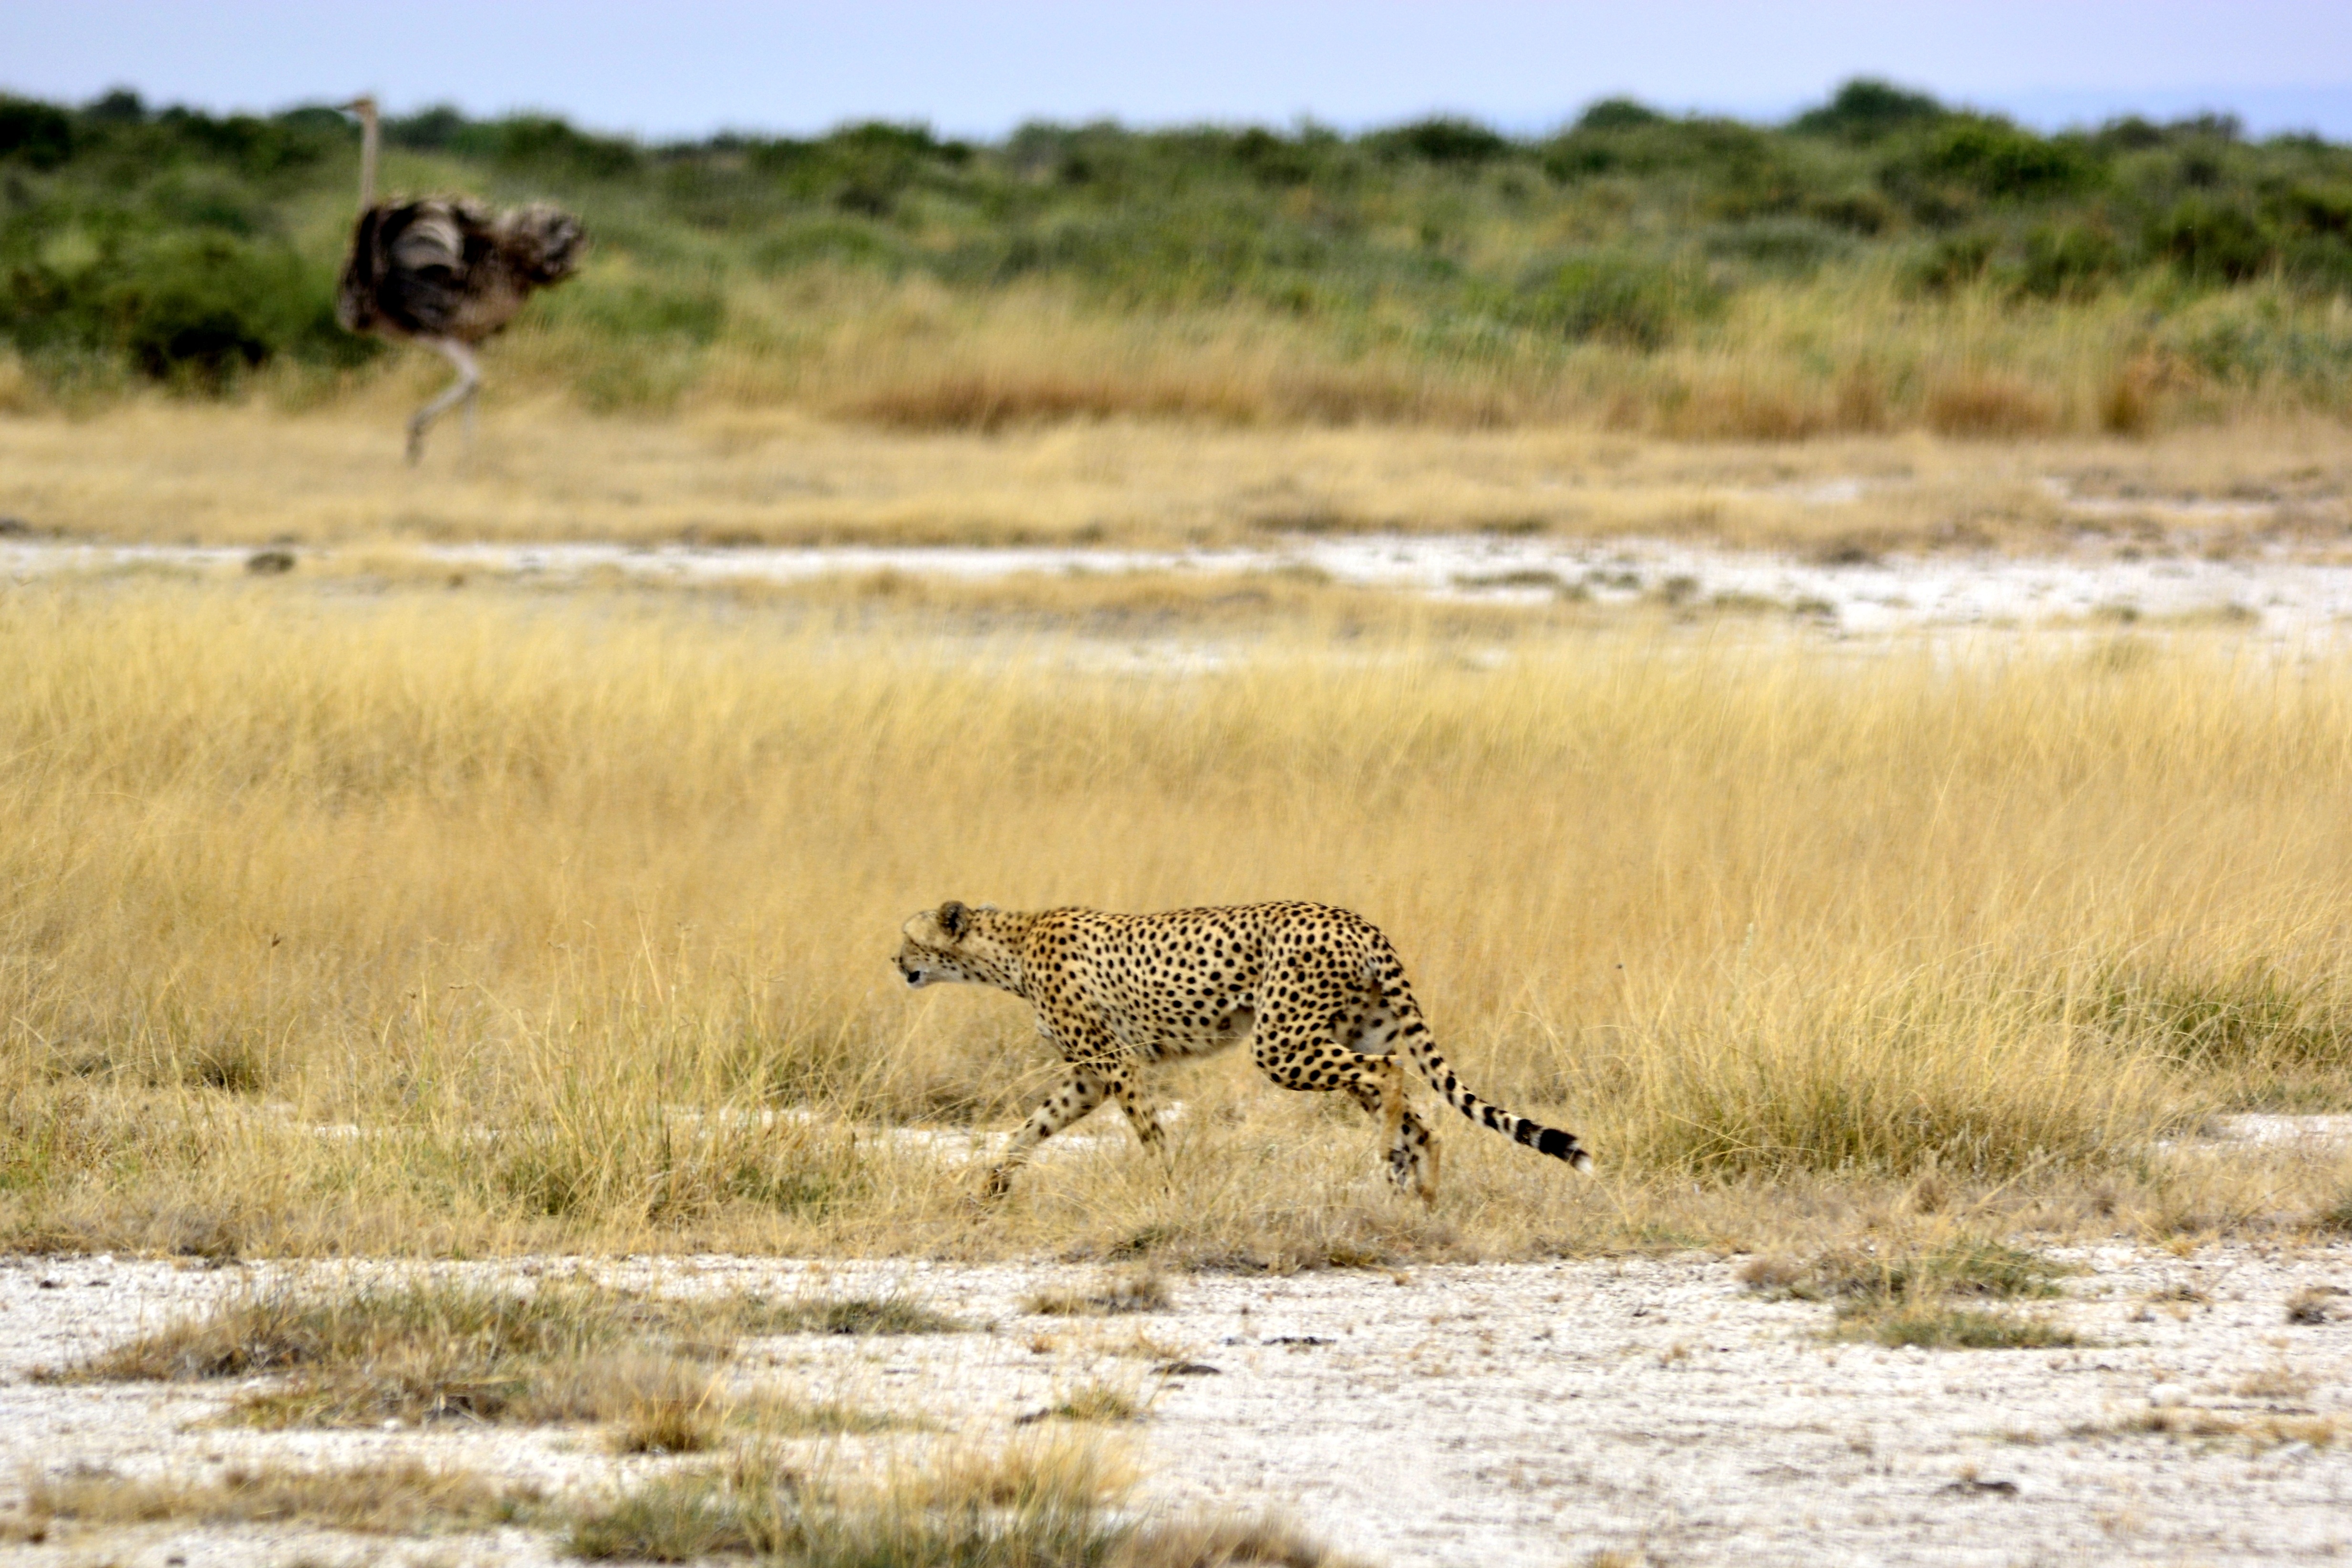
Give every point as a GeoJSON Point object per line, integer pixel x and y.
{"type": "Point", "coordinates": [1533, 1413]}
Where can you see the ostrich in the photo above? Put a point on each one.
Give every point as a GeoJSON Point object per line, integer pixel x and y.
{"type": "Point", "coordinates": [446, 272]}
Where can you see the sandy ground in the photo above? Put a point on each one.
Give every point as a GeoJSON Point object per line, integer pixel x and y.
{"type": "Point", "coordinates": [1501, 1415]}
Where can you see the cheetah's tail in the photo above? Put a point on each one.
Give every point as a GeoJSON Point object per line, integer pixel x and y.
{"type": "Point", "coordinates": [1389, 976]}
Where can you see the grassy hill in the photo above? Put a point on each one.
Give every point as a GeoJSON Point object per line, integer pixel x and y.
{"type": "Point", "coordinates": [1880, 261]}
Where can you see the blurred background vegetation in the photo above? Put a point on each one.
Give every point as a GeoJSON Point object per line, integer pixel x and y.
{"type": "Point", "coordinates": [1881, 260]}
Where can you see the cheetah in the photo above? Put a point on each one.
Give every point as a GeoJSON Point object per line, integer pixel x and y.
{"type": "Point", "coordinates": [1317, 991]}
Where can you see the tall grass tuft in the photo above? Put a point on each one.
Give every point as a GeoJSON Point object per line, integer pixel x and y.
{"type": "Point", "coordinates": [1050, 1503]}
{"type": "Point", "coordinates": [428, 1349]}
{"type": "Point", "coordinates": [568, 922]}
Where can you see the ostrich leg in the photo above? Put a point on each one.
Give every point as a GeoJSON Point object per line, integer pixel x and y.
{"type": "Point", "coordinates": [463, 389]}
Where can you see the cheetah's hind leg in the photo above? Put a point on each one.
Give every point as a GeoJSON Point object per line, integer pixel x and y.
{"type": "Point", "coordinates": [1412, 1147]}
{"type": "Point", "coordinates": [1412, 1158]}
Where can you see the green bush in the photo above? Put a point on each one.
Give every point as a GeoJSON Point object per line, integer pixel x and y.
{"type": "Point", "coordinates": [1952, 263]}
{"type": "Point", "coordinates": [2214, 241]}
{"type": "Point", "coordinates": [1866, 109]}
{"type": "Point", "coordinates": [191, 308]}
{"type": "Point", "coordinates": [1618, 114]}
{"type": "Point", "coordinates": [834, 242]}
{"type": "Point", "coordinates": [1275, 160]}
{"type": "Point", "coordinates": [640, 310]}
{"type": "Point", "coordinates": [187, 246]}
{"type": "Point", "coordinates": [2068, 261]}
{"type": "Point", "coordinates": [1792, 246]}
{"type": "Point", "coordinates": [2000, 162]}
{"type": "Point", "coordinates": [546, 146]}
{"type": "Point", "coordinates": [1444, 140]}
{"type": "Point", "coordinates": [1617, 298]}
{"type": "Point", "coordinates": [37, 135]}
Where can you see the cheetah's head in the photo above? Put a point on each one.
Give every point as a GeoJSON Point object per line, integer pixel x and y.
{"type": "Point", "coordinates": [949, 943]}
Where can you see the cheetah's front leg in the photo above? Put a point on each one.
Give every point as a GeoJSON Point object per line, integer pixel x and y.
{"type": "Point", "coordinates": [1067, 1104]}
{"type": "Point", "coordinates": [1142, 1114]}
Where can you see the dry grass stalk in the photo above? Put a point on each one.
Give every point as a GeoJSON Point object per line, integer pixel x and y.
{"type": "Point", "coordinates": [2261, 1431]}
{"type": "Point", "coordinates": [167, 472]}
{"type": "Point", "coordinates": [1215, 1540]}
{"type": "Point", "coordinates": [1932, 1296]}
{"type": "Point", "coordinates": [2314, 1304]}
{"type": "Point", "coordinates": [1774, 921]}
{"type": "Point", "coordinates": [1940, 1326]}
{"type": "Point", "coordinates": [406, 1497]}
{"type": "Point", "coordinates": [429, 1349]}
{"type": "Point", "coordinates": [1984, 406]}
{"type": "Point", "coordinates": [1852, 349]}
{"type": "Point", "coordinates": [1092, 1401]}
{"type": "Point", "coordinates": [891, 1313]}
{"type": "Point", "coordinates": [664, 1407]}
{"type": "Point", "coordinates": [1049, 1501]}
{"type": "Point", "coordinates": [1140, 1290]}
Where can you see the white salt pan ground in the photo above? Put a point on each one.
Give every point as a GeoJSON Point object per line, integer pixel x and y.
{"type": "Point", "coordinates": [2275, 594]}
{"type": "Point", "coordinates": [1499, 1415]}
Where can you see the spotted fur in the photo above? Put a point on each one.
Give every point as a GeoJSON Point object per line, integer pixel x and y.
{"type": "Point", "coordinates": [1317, 992]}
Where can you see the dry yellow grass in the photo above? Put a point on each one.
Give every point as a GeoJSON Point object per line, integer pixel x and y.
{"type": "Point", "coordinates": [1848, 352]}
{"type": "Point", "coordinates": [423, 921]}
{"type": "Point", "coordinates": [1061, 1495]}
{"type": "Point", "coordinates": [156, 471]}
{"type": "Point", "coordinates": [407, 1497]}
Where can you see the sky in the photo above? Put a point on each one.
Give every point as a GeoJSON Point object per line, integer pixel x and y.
{"type": "Point", "coordinates": [686, 70]}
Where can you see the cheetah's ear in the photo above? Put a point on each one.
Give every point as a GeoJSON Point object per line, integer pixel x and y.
{"type": "Point", "coordinates": [954, 918]}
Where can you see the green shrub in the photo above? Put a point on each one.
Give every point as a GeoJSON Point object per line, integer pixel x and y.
{"type": "Point", "coordinates": [189, 246]}
{"type": "Point", "coordinates": [639, 311]}
{"type": "Point", "coordinates": [829, 242]}
{"type": "Point", "coordinates": [1618, 114]}
{"type": "Point", "coordinates": [2214, 241]}
{"type": "Point", "coordinates": [545, 145]}
{"type": "Point", "coordinates": [1951, 263]}
{"type": "Point", "coordinates": [1444, 140]}
{"type": "Point", "coordinates": [37, 135]}
{"type": "Point", "coordinates": [1277, 161]}
{"type": "Point", "coordinates": [1859, 212]}
{"type": "Point", "coordinates": [1617, 298]}
{"type": "Point", "coordinates": [1998, 161]}
{"type": "Point", "coordinates": [2068, 261]}
{"type": "Point", "coordinates": [192, 308]}
{"type": "Point", "coordinates": [199, 307]}
{"type": "Point", "coordinates": [1866, 109]}
{"type": "Point", "coordinates": [1791, 246]}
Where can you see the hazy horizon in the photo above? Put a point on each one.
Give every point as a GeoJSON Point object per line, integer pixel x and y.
{"type": "Point", "coordinates": [1523, 67]}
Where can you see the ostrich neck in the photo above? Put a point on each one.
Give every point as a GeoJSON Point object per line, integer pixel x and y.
{"type": "Point", "coordinates": [367, 160]}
